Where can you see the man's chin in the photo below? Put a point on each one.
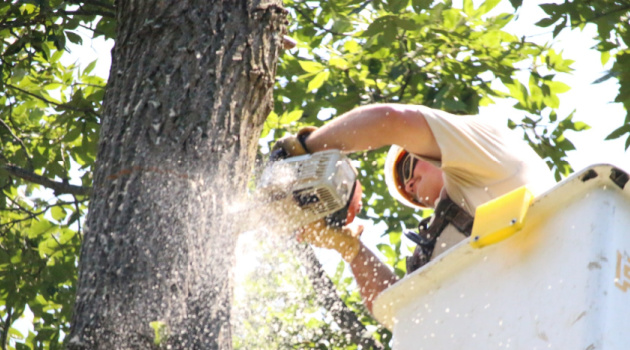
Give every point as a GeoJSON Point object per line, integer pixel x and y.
{"type": "Point", "coordinates": [423, 202]}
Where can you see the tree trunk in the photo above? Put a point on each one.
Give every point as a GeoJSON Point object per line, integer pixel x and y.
{"type": "Point", "coordinates": [189, 89]}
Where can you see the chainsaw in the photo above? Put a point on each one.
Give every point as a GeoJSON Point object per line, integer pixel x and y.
{"type": "Point", "coordinates": [296, 191]}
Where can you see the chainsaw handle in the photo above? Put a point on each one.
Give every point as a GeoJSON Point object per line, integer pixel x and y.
{"type": "Point", "coordinates": [278, 154]}
{"type": "Point", "coordinates": [292, 145]}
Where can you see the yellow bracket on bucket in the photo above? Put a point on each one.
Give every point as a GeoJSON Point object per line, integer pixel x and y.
{"type": "Point", "coordinates": [500, 218]}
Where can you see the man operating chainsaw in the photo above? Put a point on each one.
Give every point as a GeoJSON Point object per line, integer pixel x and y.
{"type": "Point", "coordinates": [436, 160]}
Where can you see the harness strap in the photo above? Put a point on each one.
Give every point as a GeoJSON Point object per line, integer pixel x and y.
{"type": "Point", "coordinates": [429, 229]}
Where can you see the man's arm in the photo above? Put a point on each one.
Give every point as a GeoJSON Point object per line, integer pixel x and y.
{"type": "Point", "coordinates": [374, 126]}
{"type": "Point", "coordinates": [371, 275]}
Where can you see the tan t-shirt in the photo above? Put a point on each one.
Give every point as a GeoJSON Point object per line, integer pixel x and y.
{"type": "Point", "coordinates": [482, 159]}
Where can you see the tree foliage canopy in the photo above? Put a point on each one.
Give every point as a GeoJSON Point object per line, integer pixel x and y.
{"type": "Point", "coordinates": [612, 18]}
{"type": "Point", "coordinates": [49, 122]}
{"type": "Point", "coordinates": [350, 53]}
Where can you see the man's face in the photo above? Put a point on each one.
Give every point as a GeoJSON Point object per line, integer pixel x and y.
{"type": "Point", "coordinates": [425, 184]}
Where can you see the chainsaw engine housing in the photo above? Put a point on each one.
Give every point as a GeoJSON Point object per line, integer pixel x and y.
{"type": "Point", "coordinates": [311, 187]}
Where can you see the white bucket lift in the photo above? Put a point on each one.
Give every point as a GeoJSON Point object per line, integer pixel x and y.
{"type": "Point", "coordinates": [559, 281]}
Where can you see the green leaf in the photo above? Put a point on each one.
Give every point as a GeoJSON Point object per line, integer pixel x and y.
{"type": "Point", "coordinates": [374, 65]}
{"type": "Point", "coordinates": [74, 38]}
{"type": "Point", "coordinates": [58, 213]}
{"type": "Point", "coordinates": [59, 40]}
{"type": "Point", "coordinates": [73, 134]}
{"type": "Point", "coordinates": [22, 346]}
{"type": "Point", "coordinates": [617, 133]}
{"type": "Point", "coordinates": [396, 6]}
{"type": "Point", "coordinates": [342, 25]}
{"type": "Point", "coordinates": [549, 9]}
{"type": "Point", "coordinates": [388, 251]}
{"type": "Point", "coordinates": [39, 228]}
{"type": "Point", "coordinates": [47, 247]}
{"type": "Point", "coordinates": [15, 334]}
{"type": "Point", "coordinates": [106, 27]}
{"type": "Point", "coordinates": [605, 56]}
{"type": "Point", "coordinates": [311, 66]}
{"type": "Point", "coordinates": [90, 67]}
{"type": "Point", "coordinates": [579, 126]}
{"type": "Point", "coordinates": [376, 27]}
{"type": "Point", "coordinates": [318, 81]}
{"type": "Point", "coordinates": [546, 22]}
{"type": "Point", "coordinates": [516, 3]}
{"type": "Point", "coordinates": [351, 46]}
{"type": "Point", "coordinates": [558, 87]}
{"type": "Point", "coordinates": [56, 56]}
{"type": "Point", "coordinates": [608, 75]}
{"type": "Point", "coordinates": [469, 9]}
{"type": "Point", "coordinates": [160, 330]}
{"type": "Point", "coordinates": [290, 117]}
{"type": "Point", "coordinates": [419, 5]}
{"type": "Point", "coordinates": [339, 63]}
{"type": "Point", "coordinates": [487, 6]}
{"type": "Point", "coordinates": [451, 18]}
{"type": "Point", "coordinates": [406, 23]}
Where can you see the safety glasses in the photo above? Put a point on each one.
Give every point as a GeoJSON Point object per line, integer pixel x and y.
{"type": "Point", "coordinates": [405, 167]}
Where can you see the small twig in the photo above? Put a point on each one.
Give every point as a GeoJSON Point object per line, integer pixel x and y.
{"type": "Point", "coordinates": [58, 187]}
{"type": "Point", "coordinates": [34, 214]}
{"type": "Point", "coordinates": [406, 82]}
{"type": "Point", "coordinates": [19, 207]}
{"type": "Point", "coordinates": [28, 156]}
{"type": "Point", "coordinates": [378, 91]}
{"type": "Point", "coordinates": [63, 251]}
{"type": "Point", "coordinates": [76, 206]}
{"type": "Point", "coordinates": [87, 84]}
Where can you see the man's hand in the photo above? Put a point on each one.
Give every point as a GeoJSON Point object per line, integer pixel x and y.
{"type": "Point", "coordinates": [292, 145]}
{"type": "Point", "coordinates": [345, 240]}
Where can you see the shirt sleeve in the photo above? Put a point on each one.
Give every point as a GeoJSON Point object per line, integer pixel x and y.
{"type": "Point", "coordinates": [474, 150]}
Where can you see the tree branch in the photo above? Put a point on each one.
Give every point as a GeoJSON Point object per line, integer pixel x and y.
{"type": "Point", "coordinates": [82, 12]}
{"type": "Point", "coordinates": [58, 187]}
{"type": "Point", "coordinates": [317, 25]}
{"type": "Point", "coordinates": [6, 326]}
{"type": "Point", "coordinates": [327, 296]}
{"type": "Point", "coordinates": [17, 24]}
{"type": "Point", "coordinates": [102, 4]}
{"type": "Point", "coordinates": [62, 105]}
{"type": "Point", "coordinates": [587, 20]}
{"type": "Point", "coordinates": [606, 13]}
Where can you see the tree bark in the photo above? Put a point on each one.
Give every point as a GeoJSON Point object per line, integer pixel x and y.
{"type": "Point", "coordinates": [189, 89]}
